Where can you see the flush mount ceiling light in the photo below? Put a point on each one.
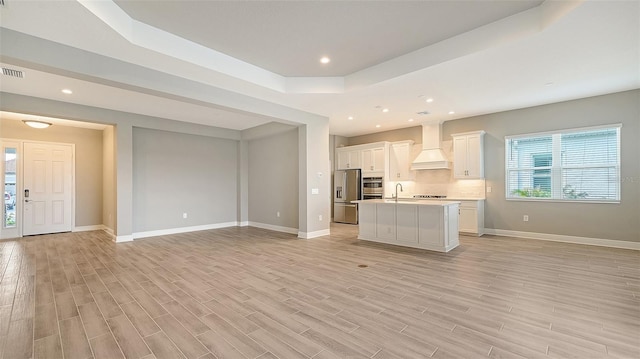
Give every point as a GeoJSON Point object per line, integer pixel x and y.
{"type": "Point", "coordinates": [67, 91]}
{"type": "Point", "coordinates": [36, 124]}
{"type": "Point", "coordinates": [325, 60]}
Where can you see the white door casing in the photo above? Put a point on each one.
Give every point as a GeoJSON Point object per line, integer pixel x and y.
{"type": "Point", "coordinates": [48, 178]}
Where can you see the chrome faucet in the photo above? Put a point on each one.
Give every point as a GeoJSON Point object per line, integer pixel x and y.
{"type": "Point", "coordinates": [398, 184]}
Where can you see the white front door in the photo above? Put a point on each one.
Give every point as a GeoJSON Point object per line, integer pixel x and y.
{"type": "Point", "coordinates": [48, 188]}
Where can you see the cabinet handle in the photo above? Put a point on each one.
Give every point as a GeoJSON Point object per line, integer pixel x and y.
{"type": "Point", "coordinates": [372, 168]}
{"type": "Point", "coordinates": [398, 175]}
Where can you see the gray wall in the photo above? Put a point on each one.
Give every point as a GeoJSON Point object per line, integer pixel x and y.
{"type": "Point", "coordinates": [273, 179]}
{"type": "Point", "coordinates": [88, 163]}
{"type": "Point", "coordinates": [174, 173]}
{"type": "Point", "coordinates": [606, 221]}
{"type": "Point", "coordinates": [109, 179]}
{"type": "Point", "coordinates": [609, 221]}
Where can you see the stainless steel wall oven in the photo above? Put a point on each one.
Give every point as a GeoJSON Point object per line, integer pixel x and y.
{"type": "Point", "coordinates": [372, 188]}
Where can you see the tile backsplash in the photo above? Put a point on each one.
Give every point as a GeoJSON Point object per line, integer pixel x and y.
{"type": "Point", "coordinates": [439, 182]}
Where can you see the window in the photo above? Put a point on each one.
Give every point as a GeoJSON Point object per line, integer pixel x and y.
{"type": "Point", "coordinates": [571, 165]}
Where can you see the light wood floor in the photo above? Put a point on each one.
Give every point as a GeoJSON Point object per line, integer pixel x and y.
{"type": "Point", "coordinates": [252, 293]}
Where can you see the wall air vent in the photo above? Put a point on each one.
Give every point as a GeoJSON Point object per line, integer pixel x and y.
{"type": "Point", "coordinates": [11, 72]}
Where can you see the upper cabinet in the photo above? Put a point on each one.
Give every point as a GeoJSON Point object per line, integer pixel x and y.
{"type": "Point", "coordinates": [400, 161]}
{"type": "Point", "coordinates": [468, 155]}
{"type": "Point", "coordinates": [347, 158]}
{"type": "Point", "coordinates": [373, 160]}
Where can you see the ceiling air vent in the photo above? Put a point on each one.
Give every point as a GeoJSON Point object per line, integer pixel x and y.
{"type": "Point", "coordinates": [422, 113]}
{"type": "Point", "coordinates": [11, 72]}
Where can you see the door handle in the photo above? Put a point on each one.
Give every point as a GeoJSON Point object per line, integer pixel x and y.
{"type": "Point", "coordinates": [27, 200]}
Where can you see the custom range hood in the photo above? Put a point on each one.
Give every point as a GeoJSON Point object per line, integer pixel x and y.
{"type": "Point", "coordinates": [431, 157]}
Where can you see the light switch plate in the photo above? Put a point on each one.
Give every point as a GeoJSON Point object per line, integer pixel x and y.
{"type": "Point", "coordinates": [315, 191]}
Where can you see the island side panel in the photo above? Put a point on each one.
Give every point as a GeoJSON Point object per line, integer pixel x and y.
{"type": "Point", "coordinates": [451, 236]}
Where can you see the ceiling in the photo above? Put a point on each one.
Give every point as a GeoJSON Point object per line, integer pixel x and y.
{"type": "Point", "coordinates": [180, 59]}
{"type": "Point", "coordinates": [288, 37]}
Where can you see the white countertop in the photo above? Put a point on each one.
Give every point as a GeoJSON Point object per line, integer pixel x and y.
{"type": "Point", "coordinates": [421, 202]}
{"type": "Point", "coordinates": [439, 199]}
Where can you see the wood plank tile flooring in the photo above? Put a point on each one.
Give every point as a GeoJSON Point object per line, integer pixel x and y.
{"type": "Point", "coordinates": [253, 293]}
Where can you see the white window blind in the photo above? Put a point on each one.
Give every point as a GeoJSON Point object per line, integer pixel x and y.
{"type": "Point", "coordinates": [571, 165]}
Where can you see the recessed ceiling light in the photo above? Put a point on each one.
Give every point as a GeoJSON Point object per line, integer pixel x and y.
{"type": "Point", "coordinates": [451, 112]}
{"type": "Point", "coordinates": [36, 124]}
{"type": "Point", "coordinates": [385, 110]}
{"type": "Point", "coordinates": [378, 126]}
{"type": "Point", "coordinates": [429, 100]}
{"type": "Point", "coordinates": [67, 91]}
{"type": "Point", "coordinates": [410, 120]}
{"type": "Point", "coordinates": [325, 60]}
{"type": "Point", "coordinates": [350, 118]}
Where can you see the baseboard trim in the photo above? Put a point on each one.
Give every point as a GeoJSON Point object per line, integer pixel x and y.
{"type": "Point", "coordinates": [164, 232]}
{"type": "Point", "coordinates": [565, 239]}
{"type": "Point", "coordinates": [243, 224]}
{"type": "Point", "coordinates": [273, 227]}
{"type": "Point", "coordinates": [95, 227]}
{"type": "Point", "coordinates": [315, 234]}
{"type": "Point", "coordinates": [122, 239]}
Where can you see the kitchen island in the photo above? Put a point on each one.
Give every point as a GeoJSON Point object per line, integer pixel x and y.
{"type": "Point", "coordinates": [425, 224]}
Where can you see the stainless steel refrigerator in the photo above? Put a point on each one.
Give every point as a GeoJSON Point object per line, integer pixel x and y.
{"type": "Point", "coordinates": [347, 187]}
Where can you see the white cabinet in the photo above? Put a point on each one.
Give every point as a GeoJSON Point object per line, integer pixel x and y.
{"type": "Point", "coordinates": [472, 217]}
{"type": "Point", "coordinates": [367, 221]}
{"type": "Point", "coordinates": [417, 225]}
{"type": "Point", "coordinates": [392, 223]}
{"type": "Point", "coordinates": [430, 230]}
{"type": "Point", "coordinates": [373, 160]}
{"type": "Point", "coordinates": [400, 161]}
{"type": "Point", "coordinates": [347, 158]}
{"type": "Point", "coordinates": [407, 224]}
{"type": "Point", "coordinates": [468, 155]}
{"type": "Point", "coordinates": [386, 222]}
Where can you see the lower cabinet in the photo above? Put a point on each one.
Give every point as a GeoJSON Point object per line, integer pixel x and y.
{"type": "Point", "coordinates": [407, 224]}
{"type": "Point", "coordinates": [472, 217]}
{"type": "Point", "coordinates": [386, 221]}
{"type": "Point", "coordinates": [433, 227]}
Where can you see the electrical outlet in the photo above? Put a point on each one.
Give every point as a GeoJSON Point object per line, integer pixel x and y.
{"type": "Point", "coordinates": [278, 214]}
{"type": "Point", "coordinates": [489, 189]}
{"type": "Point", "coordinates": [319, 217]}
{"type": "Point", "coordinates": [525, 218]}
{"type": "Point", "coordinates": [184, 215]}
